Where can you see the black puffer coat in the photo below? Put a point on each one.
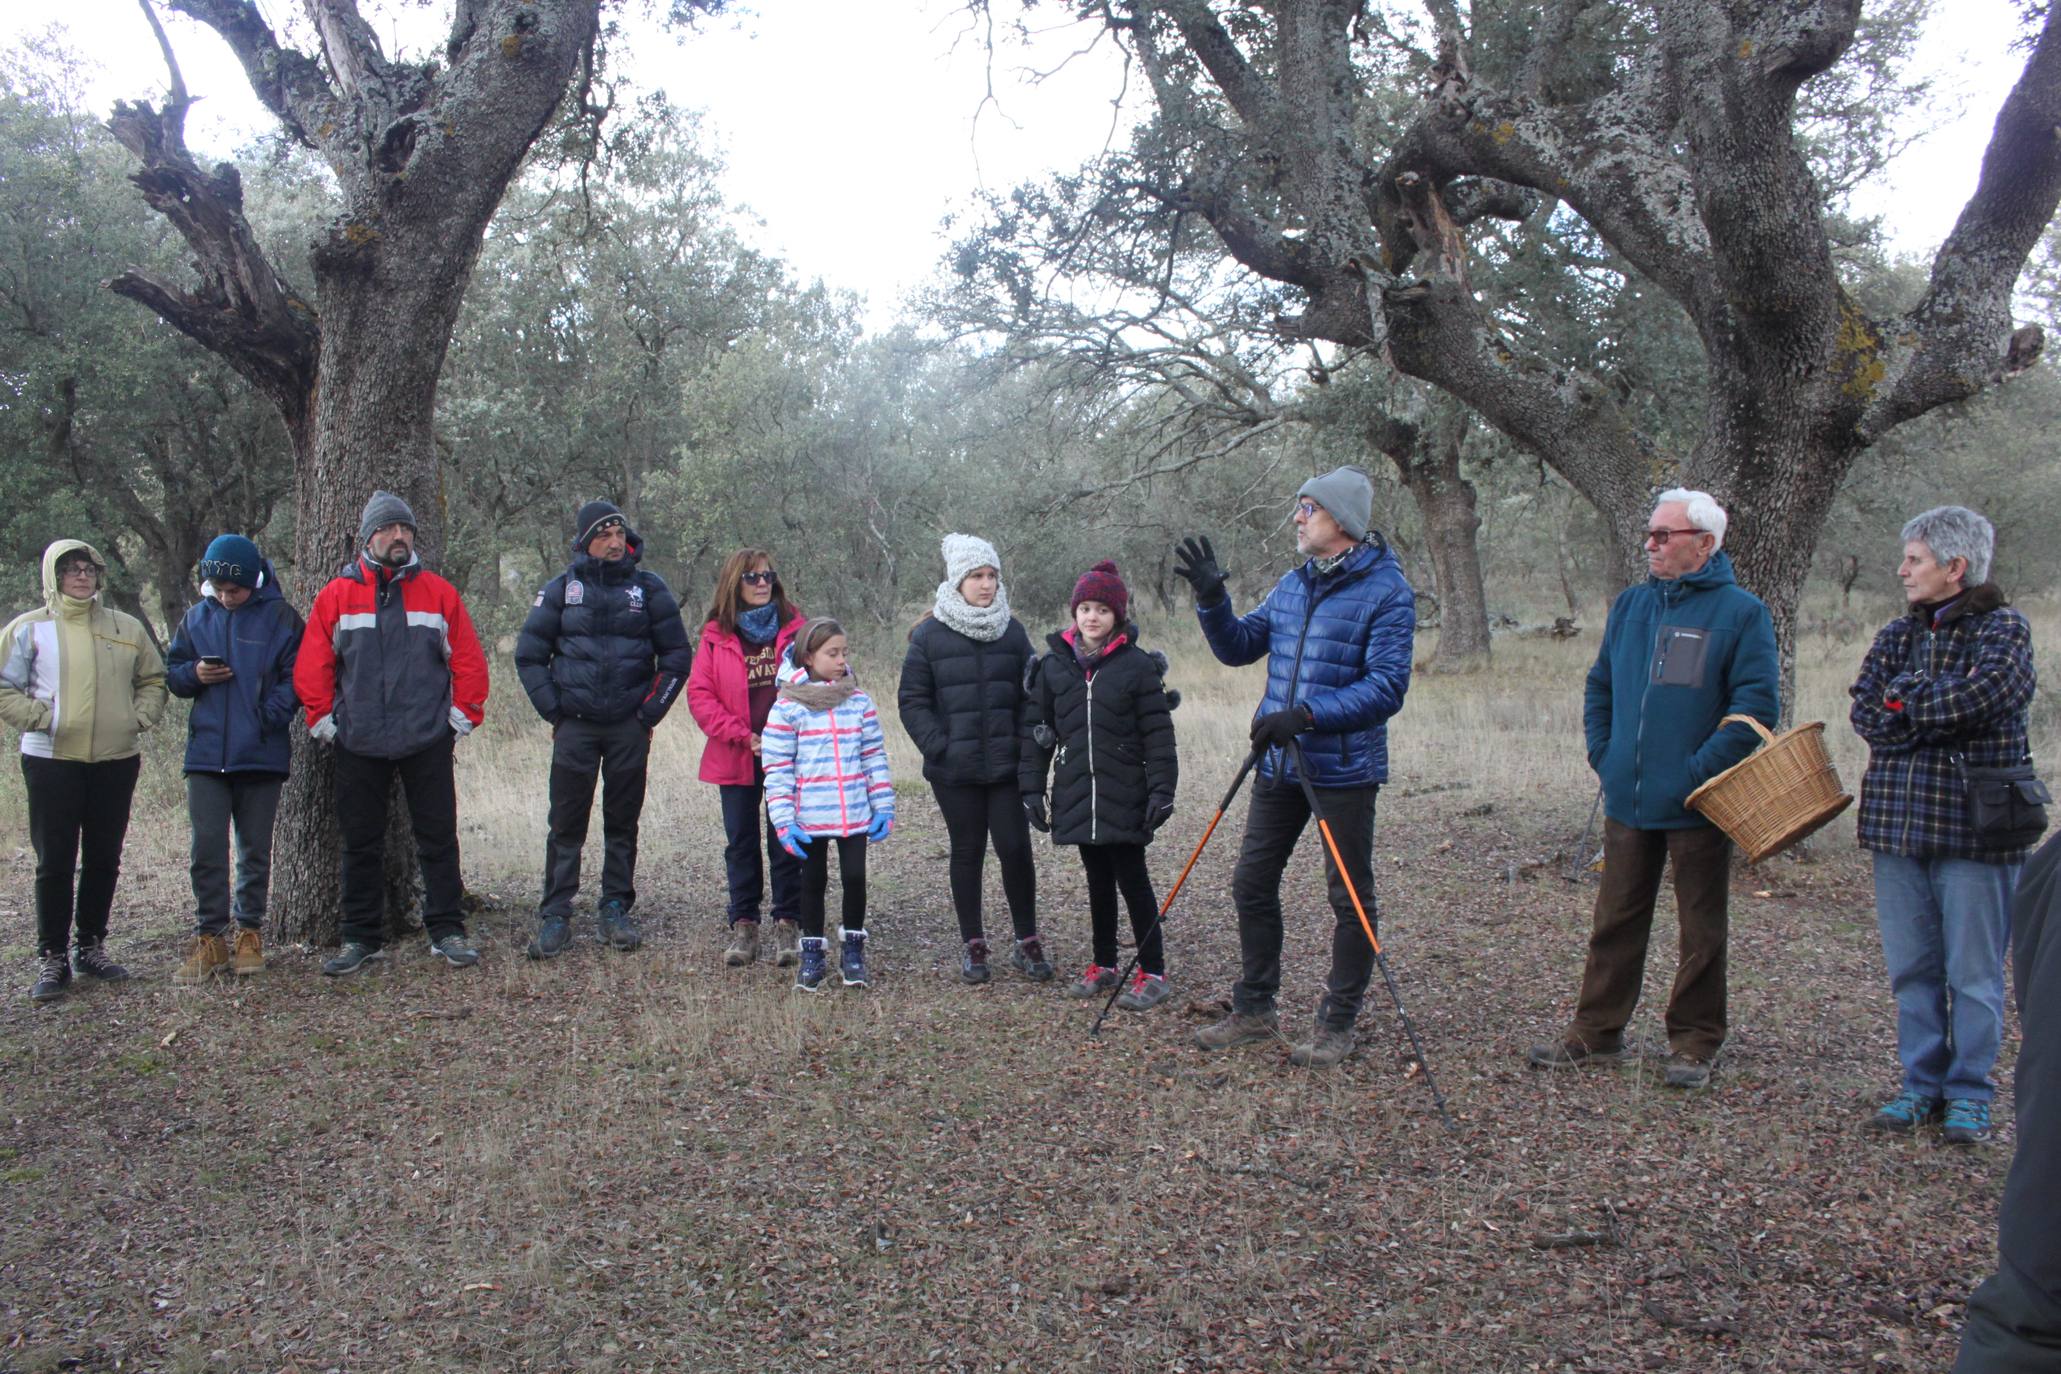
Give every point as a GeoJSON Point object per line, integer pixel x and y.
{"type": "Point", "coordinates": [1114, 732]}
{"type": "Point", "coordinates": [604, 642]}
{"type": "Point", "coordinates": [962, 702]}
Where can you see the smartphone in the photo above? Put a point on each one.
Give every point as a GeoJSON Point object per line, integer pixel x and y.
{"type": "Point", "coordinates": [214, 660]}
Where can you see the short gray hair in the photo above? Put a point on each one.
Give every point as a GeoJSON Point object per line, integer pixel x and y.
{"type": "Point", "coordinates": [1956, 532]}
{"type": "Point", "coordinates": [1703, 511]}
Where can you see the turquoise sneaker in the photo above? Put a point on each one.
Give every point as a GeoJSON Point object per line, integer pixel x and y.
{"type": "Point", "coordinates": [1905, 1113]}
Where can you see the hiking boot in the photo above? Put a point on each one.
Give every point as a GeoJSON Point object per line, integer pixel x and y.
{"type": "Point", "coordinates": [1326, 1049]}
{"type": "Point", "coordinates": [92, 961]}
{"type": "Point", "coordinates": [249, 957]}
{"type": "Point", "coordinates": [1686, 1071]}
{"type": "Point", "coordinates": [554, 933]}
{"type": "Point", "coordinates": [618, 931]}
{"type": "Point", "coordinates": [1147, 990]}
{"type": "Point", "coordinates": [1905, 1113]}
{"type": "Point", "coordinates": [744, 944]}
{"type": "Point", "coordinates": [1568, 1054]}
{"type": "Point", "coordinates": [1967, 1122]}
{"type": "Point", "coordinates": [815, 964]}
{"type": "Point", "coordinates": [208, 957]}
{"type": "Point", "coordinates": [354, 957]}
{"type": "Point", "coordinates": [786, 944]}
{"type": "Point", "coordinates": [1238, 1028]}
{"type": "Point", "coordinates": [455, 950]}
{"type": "Point", "coordinates": [1094, 981]}
{"type": "Point", "coordinates": [1030, 961]}
{"type": "Point", "coordinates": [851, 962]}
{"type": "Point", "coordinates": [973, 962]}
{"type": "Point", "coordinates": [53, 976]}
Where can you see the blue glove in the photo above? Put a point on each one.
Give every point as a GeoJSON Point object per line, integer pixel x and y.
{"type": "Point", "coordinates": [880, 829]}
{"type": "Point", "coordinates": [795, 841]}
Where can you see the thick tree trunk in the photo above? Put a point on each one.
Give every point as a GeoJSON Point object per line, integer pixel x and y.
{"type": "Point", "coordinates": [1445, 502]}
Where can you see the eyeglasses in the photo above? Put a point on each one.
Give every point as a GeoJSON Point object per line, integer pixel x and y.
{"type": "Point", "coordinates": [1658, 538]}
{"type": "Point", "coordinates": [760, 579]}
{"type": "Point", "coordinates": [79, 570]}
{"type": "Point", "coordinates": [1307, 509]}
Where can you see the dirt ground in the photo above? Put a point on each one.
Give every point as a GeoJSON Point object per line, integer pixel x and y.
{"type": "Point", "coordinates": [651, 1162]}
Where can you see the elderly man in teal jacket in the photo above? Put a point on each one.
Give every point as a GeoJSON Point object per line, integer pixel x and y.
{"type": "Point", "coordinates": [1681, 651]}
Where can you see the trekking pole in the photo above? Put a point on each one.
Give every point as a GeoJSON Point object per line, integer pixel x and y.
{"type": "Point", "coordinates": [1302, 775]}
{"type": "Point", "coordinates": [1580, 860]}
{"type": "Point", "coordinates": [1167, 905]}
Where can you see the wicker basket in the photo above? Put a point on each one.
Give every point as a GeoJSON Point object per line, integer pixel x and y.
{"type": "Point", "coordinates": [1777, 795]}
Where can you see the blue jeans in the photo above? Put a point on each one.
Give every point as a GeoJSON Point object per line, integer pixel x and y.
{"type": "Point", "coordinates": [1945, 926]}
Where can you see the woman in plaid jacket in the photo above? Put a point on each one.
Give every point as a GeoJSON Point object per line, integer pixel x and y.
{"type": "Point", "coordinates": [1944, 685]}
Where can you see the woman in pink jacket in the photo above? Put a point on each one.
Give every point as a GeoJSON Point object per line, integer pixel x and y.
{"type": "Point", "coordinates": [730, 691]}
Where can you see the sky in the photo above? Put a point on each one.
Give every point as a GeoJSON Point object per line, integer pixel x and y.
{"type": "Point", "coordinates": [851, 128]}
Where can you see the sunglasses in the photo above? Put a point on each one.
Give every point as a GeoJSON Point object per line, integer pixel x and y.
{"type": "Point", "coordinates": [1658, 538]}
{"type": "Point", "coordinates": [761, 579]}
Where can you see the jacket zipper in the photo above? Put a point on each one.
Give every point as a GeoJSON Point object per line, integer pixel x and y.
{"type": "Point", "coordinates": [1309, 614]}
{"type": "Point", "coordinates": [1639, 735]}
{"type": "Point", "coordinates": [1094, 801]}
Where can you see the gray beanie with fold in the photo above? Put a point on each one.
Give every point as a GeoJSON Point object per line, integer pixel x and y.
{"type": "Point", "coordinates": [1348, 494]}
{"type": "Point", "coordinates": [382, 510]}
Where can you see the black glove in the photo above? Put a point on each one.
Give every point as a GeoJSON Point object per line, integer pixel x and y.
{"type": "Point", "coordinates": [1157, 812]}
{"type": "Point", "coordinates": [1034, 807]}
{"type": "Point", "coordinates": [1196, 561]}
{"type": "Point", "coordinates": [1276, 728]}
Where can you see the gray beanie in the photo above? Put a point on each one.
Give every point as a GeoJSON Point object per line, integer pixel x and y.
{"type": "Point", "coordinates": [382, 510]}
{"type": "Point", "coordinates": [1348, 494]}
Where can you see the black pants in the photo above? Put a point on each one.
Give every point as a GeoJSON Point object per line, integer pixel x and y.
{"type": "Point", "coordinates": [78, 817]}
{"type": "Point", "coordinates": [1122, 866]}
{"type": "Point", "coordinates": [746, 857]}
{"type": "Point", "coordinates": [216, 804]}
{"type": "Point", "coordinates": [851, 873]}
{"type": "Point", "coordinates": [973, 816]}
{"type": "Point", "coordinates": [362, 785]}
{"type": "Point", "coordinates": [583, 751]}
{"type": "Point", "coordinates": [1274, 823]}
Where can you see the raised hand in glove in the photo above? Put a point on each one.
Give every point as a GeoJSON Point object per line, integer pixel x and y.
{"type": "Point", "coordinates": [1196, 561]}
{"type": "Point", "coordinates": [1157, 812]}
{"type": "Point", "coordinates": [795, 841]}
{"type": "Point", "coordinates": [1275, 729]}
{"type": "Point", "coordinates": [1034, 808]}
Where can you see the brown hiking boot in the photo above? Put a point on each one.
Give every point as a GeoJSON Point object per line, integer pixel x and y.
{"type": "Point", "coordinates": [786, 944]}
{"type": "Point", "coordinates": [1238, 1028]}
{"type": "Point", "coordinates": [1326, 1049]}
{"type": "Point", "coordinates": [744, 944]}
{"type": "Point", "coordinates": [249, 957]}
{"type": "Point", "coordinates": [208, 957]}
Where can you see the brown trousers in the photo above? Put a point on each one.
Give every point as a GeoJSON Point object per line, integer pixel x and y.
{"type": "Point", "coordinates": [1632, 864]}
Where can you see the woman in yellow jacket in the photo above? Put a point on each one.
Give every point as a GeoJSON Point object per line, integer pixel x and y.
{"type": "Point", "coordinates": [80, 681]}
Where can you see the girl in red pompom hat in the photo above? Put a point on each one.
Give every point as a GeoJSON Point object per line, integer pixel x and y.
{"type": "Point", "coordinates": [1103, 728]}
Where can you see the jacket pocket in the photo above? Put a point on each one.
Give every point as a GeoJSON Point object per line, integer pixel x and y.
{"type": "Point", "coordinates": [1679, 655]}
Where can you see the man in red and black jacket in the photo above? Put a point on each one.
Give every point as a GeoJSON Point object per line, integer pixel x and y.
{"type": "Point", "coordinates": [392, 675]}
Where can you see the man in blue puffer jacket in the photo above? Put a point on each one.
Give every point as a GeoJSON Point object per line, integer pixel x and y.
{"type": "Point", "coordinates": [233, 658]}
{"type": "Point", "coordinates": [1338, 634]}
{"type": "Point", "coordinates": [603, 654]}
{"type": "Point", "coordinates": [1681, 651]}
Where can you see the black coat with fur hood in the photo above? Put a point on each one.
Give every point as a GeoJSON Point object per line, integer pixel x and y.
{"type": "Point", "coordinates": [1105, 731]}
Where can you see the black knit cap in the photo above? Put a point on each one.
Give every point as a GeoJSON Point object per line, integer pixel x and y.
{"type": "Point", "coordinates": [590, 516]}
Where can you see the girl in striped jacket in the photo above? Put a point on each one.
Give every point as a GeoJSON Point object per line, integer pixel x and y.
{"type": "Point", "coordinates": [827, 780]}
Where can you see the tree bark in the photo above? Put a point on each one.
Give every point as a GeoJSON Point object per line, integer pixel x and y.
{"type": "Point", "coordinates": [422, 157]}
{"type": "Point", "coordinates": [1427, 457]}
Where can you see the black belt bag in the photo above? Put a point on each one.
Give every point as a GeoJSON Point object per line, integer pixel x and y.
{"type": "Point", "coordinates": [2007, 807]}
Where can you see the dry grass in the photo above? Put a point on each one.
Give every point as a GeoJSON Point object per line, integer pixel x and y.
{"type": "Point", "coordinates": [653, 1162]}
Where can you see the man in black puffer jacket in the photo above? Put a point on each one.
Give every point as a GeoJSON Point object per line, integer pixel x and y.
{"type": "Point", "coordinates": [602, 655]}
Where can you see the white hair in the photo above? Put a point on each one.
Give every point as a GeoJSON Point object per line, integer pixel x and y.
{"type": "Point", "coordinates": [1956, 532]}
{"type": "Point", "coordinates": [1702, 510]}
